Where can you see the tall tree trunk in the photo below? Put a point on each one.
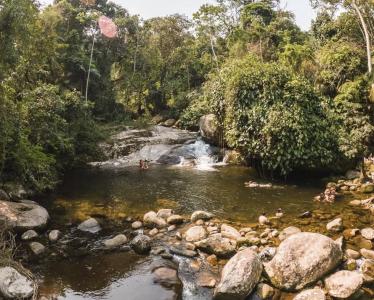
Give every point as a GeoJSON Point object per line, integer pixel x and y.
{"type": "Point", "coordinates": [366, 35]}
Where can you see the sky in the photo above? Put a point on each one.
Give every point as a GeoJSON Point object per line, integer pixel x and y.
{"type": "Point", "coordinates": [152, 8]}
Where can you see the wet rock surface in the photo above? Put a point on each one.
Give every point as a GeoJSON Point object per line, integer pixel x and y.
{"type": "Point", "coordinates": [14, 285]}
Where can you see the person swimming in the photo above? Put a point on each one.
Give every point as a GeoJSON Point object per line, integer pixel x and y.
{"type": "Point", "coordinates": [144, 164]}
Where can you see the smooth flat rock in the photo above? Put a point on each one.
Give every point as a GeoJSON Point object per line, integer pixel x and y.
{"type": "Point", "coordinates": [312, 294]}
{"type": "Point", "coordinates": [287, 232]}
{"type": "Point", "coordinates": [115, 242]}
{"type": "Point", "coordinates": [23, 215]}
{"type": "Point", "coordinates": [91, 225]}
{"type": "Point", "coordinates": [218, 245]}
{"type": "Point", "coordinates": [195, 233]}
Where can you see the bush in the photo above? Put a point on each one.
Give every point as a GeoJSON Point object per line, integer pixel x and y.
{"type": "Point", "coordinates": [274, 117]}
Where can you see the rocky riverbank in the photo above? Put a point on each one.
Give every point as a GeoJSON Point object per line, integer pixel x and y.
{"type": "Point", "coordinates": [214, 257]}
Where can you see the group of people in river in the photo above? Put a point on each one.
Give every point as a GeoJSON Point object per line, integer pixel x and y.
{"type": "Point", "coordinates": [144, 164]}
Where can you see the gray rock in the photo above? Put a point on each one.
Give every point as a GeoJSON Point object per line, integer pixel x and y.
{"type": "Point", "coordinates": [136, 225]}
{"type": "Point", "coordinates": [195, 233]}
{"type": "Point", "coordinates": [335, 225]}
{"type": "Point", "coordinates": [151, 219]}
{"type": "Point", "coordinates": [201, 215]}
{"type": "Point", "coordinates": [141, 244]}
{"type": "Point", "coordinates": [4, 196]}
{"type": "Point", "coordinates": [153, 232]}
{"type": "Point", "coordinates": [164, 213]}
{"type": "Point", "coordinates": [343, 284]}
{"type": "Point", "coordinates": [54, 235]}
{"type": "Point", "coordinates": [209, 129]}
{"type": "Point", "coordinates": [230, 232]}
{"type": "Point", "coordinates": [287, 232]}
{"type": "Point", "coordinates": [218, 245]}
{"type": "Point", "coordinates": [267, 254]}
{"type": "Point", "coordinates": [91, 225]}
{"type": "Point", "coordinates": [311, 294]}
{"type": "Point", "coordinates": [115, 242]}
{"type": "Point", "coordinates": [302, 259]}
{"type": "Point", "coordinates": [37, 248]}
{"type": "Point", "coordinates": [368, 233]}
{"type": "Point", "coordinates": [352, 174]}
{"type": "Point", "coordinates": [14, 285]}
{"type": "Point", "coordinates": [182, 252]}
{"type": "Point", "coordinates": [29, 235]}
{"type": "Point", "coordinates": [22, 215]}
{"type": "Point", "coordinates": [239, 276]}
{"type": "Point", "coordinates": [175, 219]}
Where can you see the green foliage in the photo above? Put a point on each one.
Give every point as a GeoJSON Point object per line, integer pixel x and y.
{"type": "Point", "coordinates": [274, 117]}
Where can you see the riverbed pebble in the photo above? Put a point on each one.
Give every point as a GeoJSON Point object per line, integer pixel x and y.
{"type": "Point", "coordinates": [136, 225]}
{"type": "Point", "coordinates": [37, 248]}
{"type": "Point", "coordinates": [368, 233]}
{"type": "Point", "coordinates": [54, 235]}
{"type": "Point", "coordinates": [335, 225]}
{"type": "Point", "coordinates": [343, 284]}
{"type": "Point", "coordinates": [29, 235]}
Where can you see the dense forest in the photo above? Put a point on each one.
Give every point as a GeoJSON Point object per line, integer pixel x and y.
{"type": "Point", "coordinates": [285, 98]}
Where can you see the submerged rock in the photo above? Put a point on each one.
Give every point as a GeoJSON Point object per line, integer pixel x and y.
{"type": "Point", "coordinates": [302, 259]}
{"type": "Point", "coordinates": [23, 215]}
{"type": "Point", "coordinates": [141, 244]}
{"type": "Point", "coordinates": [218, 245]}
{"type": "Point", "coordinates": [312, 294]}
{"type": "Point", "coordinates": [343, 284]}
{"type": "Point", "coordinates": [14, 285]}
{"type": "Point", "coordinates": [115, 242]}
{"type": "Point", "coordinates": [91, 225]}
{"type": "Point", "coordinates": [239, 276]}
{"type": "Point", "coordinates": [166, 277]}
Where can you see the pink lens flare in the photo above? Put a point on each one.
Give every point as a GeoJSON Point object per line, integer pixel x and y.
{"type": "Point", "coordinates": [107, 27]}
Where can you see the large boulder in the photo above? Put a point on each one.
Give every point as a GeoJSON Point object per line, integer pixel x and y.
{"type": "Point", "coordinates": [141, 244]}
{"type": "Point", "coordinates": [287, 232]}
{"type": "Point", "coordinates": [209, 129]}
{"type": "Point", "coordinates": [91, 225]}
{"type": "Point", "coordinates": [195, 233]}
{"type": "Point", "coordinates": [239, 276]}
{"type": "Point", "coordinates": [14, 285]}
{"type": "Point", "coordinates": [302, 259]}
{"type": "Point", "coordinates": [151, 219]}
{"type": "Point", "coordinates": [218, 245]}
{"type": "Point", "coordinates": [23, 215]}
{"type": "Point", "coordinates": [343, 284]}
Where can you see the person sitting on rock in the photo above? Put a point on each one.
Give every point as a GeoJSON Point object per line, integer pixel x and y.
{"type": "Point", "coordinates": [263, 220]}
{"type": "Point", "coordinates": [279, 213]}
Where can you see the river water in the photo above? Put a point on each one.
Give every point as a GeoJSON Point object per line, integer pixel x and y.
{"type": "Point", "coordinates": [119, 192]}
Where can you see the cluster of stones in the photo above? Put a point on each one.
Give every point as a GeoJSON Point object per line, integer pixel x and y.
{"type": "Point", "coordinates": [311, 265]}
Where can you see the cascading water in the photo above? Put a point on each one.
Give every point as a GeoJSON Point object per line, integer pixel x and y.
{"type": "Point", "coordinates": [162, 145]}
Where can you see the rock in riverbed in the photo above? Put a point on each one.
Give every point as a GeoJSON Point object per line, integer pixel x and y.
{"type": "Point", "coordinates": [287, 232]}
{"type": "Point", "coordinates": [311, 294]}
{"type": "Point", "coordinates": [14, 285]}
{"type": "Point", "coordinates": [141, 244]}
{"type": "Point", "coordinates": [151, 219]}
{"type": "Point", "coordinates": [195, 233]}
{"type": "Point", "coordinates": [302, 259]}
{"type": "Point", "coordinates": [335, 225]}
{"type": "Point", "coordinates": [29, 235]}
{"type": "Point", "coordinates": [37, 248]}
{"type": "Point", "coordinates": [343, 284]}
{"type": "Point", "coordinates": [23, 215]}
{"type": "Point", "coordinates": [91, 225]}
{"type": "Point", "coordinates": [201, 215]}
{"type": "Point", "coordinates": [54, 235]}
{"type": "Point", "coordinates": [239, 276]}
{"type": "Point", "coordinates": [218, 245]}
{"type": "Point", "coordinates": [115, 242]}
